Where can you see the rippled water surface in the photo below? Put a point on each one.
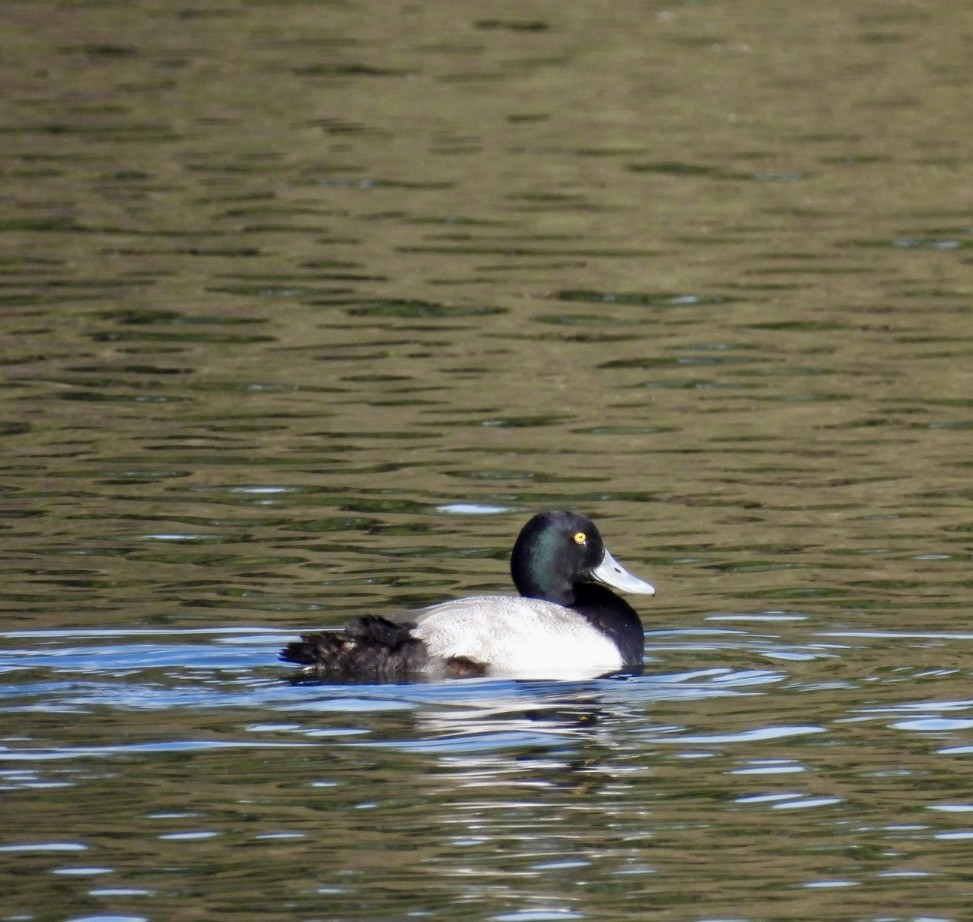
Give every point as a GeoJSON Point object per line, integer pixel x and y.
{"type": "Point", "coordinates": [307, 306]}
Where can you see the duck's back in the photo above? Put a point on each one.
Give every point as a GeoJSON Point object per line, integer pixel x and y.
{"type": "Point", "coordinates": [515, 636]}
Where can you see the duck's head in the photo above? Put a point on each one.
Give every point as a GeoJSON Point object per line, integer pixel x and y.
{"type": "Point", "coordinates": [555, 552]}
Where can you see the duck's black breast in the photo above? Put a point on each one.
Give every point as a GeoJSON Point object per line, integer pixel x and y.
{"type": "Point", "coordinates": [613, 617]}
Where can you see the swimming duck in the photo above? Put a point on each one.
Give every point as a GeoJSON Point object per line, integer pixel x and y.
{"type": "Point", "coordinates": [565, 623]}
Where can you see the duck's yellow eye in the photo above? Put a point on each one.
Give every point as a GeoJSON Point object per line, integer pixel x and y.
{"type": "Point", "coordinates": [580, 537]}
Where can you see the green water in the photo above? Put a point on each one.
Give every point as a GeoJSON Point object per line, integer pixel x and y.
{"type": "Point", "coordinates": [305, 308]}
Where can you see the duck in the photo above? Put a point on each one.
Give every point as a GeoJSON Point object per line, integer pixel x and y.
{"type": "Point", "coordinates": [566, 621]}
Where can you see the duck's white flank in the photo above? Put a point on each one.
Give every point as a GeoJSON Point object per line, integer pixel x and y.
{"type": "Point", "coordinates": [528, 638]}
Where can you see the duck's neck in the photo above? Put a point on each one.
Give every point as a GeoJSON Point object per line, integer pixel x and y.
{"type": "Point", "coordinates": [543, 579]}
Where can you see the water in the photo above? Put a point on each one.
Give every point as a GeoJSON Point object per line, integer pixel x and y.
{"type": "Point", "coordinates": [307, 307]}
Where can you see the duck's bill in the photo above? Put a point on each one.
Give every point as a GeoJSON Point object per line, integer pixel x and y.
{"type": "Point", "coordinates": [612, 573]}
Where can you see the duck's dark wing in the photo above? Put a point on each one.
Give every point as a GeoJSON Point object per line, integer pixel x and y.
{"type": "Point", "coordinates": [372, 650]}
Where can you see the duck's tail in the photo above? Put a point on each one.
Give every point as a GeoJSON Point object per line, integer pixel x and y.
{"type": "Point", "coordinates": [369, 649]}
{"type": "Point", "coordinates": [372, 649]}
